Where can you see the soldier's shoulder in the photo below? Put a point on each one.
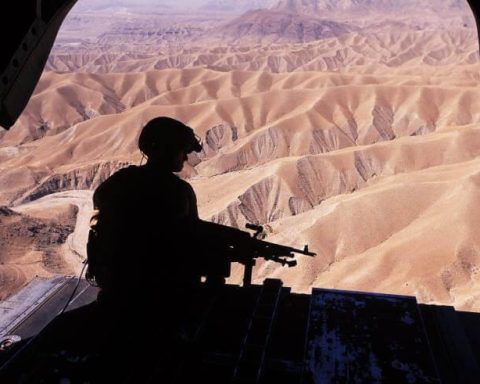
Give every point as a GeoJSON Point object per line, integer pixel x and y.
{"type": "Point", "coordinates": [185, 184]}
{"type": "Point", "coordinates": [128, 170]}
{"type": "Point", "coordinates": [125, 172]}
{"type": "Point", "coordinates": [121, 176]}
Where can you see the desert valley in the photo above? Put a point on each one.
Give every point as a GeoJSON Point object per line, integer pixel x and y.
{"type": "Point", "coordinates": [349, 125]}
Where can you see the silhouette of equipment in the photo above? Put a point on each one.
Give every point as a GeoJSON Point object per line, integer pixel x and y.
{"type": "Point", "coordinates": [29, 29]}
{"type": "Point", "coordinates": [264, 334]}
{"type": "Point", "coordinates": [475, 6]}
{"type": "Point", "coordinates": [229, 244]}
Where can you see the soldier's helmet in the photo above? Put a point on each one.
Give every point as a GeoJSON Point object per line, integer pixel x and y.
{"type": "Point", "coordinates": [164, 135]}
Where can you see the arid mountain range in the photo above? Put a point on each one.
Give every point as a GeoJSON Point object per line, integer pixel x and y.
{"type": "Point", "coordinates": [364, 144]}
{"type": "Point", "coordinates": [336, 6]}
{"type": "Point", "coordinates": [359, 52]}
{"type": "Point", "coordinates": [131, 31]}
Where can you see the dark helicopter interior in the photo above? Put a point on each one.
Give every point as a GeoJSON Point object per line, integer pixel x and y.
{"type": "Point", "coordinates": [256, 334]}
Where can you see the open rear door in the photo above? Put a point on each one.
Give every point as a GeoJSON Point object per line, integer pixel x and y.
{"type": "Point", "coordinates": [28, 29]}
{"type": "Point", "coordinates": [474, 4]}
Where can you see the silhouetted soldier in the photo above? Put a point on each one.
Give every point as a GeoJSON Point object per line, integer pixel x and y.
{"type": "Point", "coordinates": [144, 257]}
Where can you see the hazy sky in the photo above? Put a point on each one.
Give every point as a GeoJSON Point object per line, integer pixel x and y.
{"type": "Point", "coordinates": [98, 4]}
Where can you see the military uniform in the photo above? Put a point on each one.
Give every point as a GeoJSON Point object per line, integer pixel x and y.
{"type": "Point", "coordinates": [145, 223]}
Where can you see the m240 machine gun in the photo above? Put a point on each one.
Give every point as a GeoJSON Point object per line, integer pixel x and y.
{"type": "Point", "coordinates": [230, 244]}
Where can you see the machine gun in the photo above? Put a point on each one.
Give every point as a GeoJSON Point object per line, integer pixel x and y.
{"type": "Point", "coordinates": [235, 245]}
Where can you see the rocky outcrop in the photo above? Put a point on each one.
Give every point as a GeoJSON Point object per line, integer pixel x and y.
{"type": "Point", "coordinates": [261, 203]}
{"type": "Point", "coordinates": [273, 26]}
{"type": "Point", "coordinates": [218, 137]}
{"type": "Point", "coordinates": [86, 177]}
{"type": "Point", "coordinates": [298, 205]}
{"type": "Point", "coordinates": [30, 245]}
{"type": "Point", "coordinates": [382, 121]}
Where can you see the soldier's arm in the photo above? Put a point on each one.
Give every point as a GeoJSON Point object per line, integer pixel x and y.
{"type": "Point", "coordinates": [192, 202]}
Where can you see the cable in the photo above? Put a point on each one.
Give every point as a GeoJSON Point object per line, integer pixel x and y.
{"type": "Point", "coordinates": [76, 287]}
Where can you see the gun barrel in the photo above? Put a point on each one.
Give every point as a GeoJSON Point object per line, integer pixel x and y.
{"type": "Point", "coordinates": [244, 243]}
{"type": "Point", "coordinates": [282, 250]}
{"type": "Point", "coordinates": [305, 252]}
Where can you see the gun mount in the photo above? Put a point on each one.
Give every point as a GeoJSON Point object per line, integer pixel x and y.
{"type": "Point", "coordinates": [235, 245]}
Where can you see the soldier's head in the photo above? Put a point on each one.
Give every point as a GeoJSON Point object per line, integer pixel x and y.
{"type": "Point", "coordinates": [168, 141]}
